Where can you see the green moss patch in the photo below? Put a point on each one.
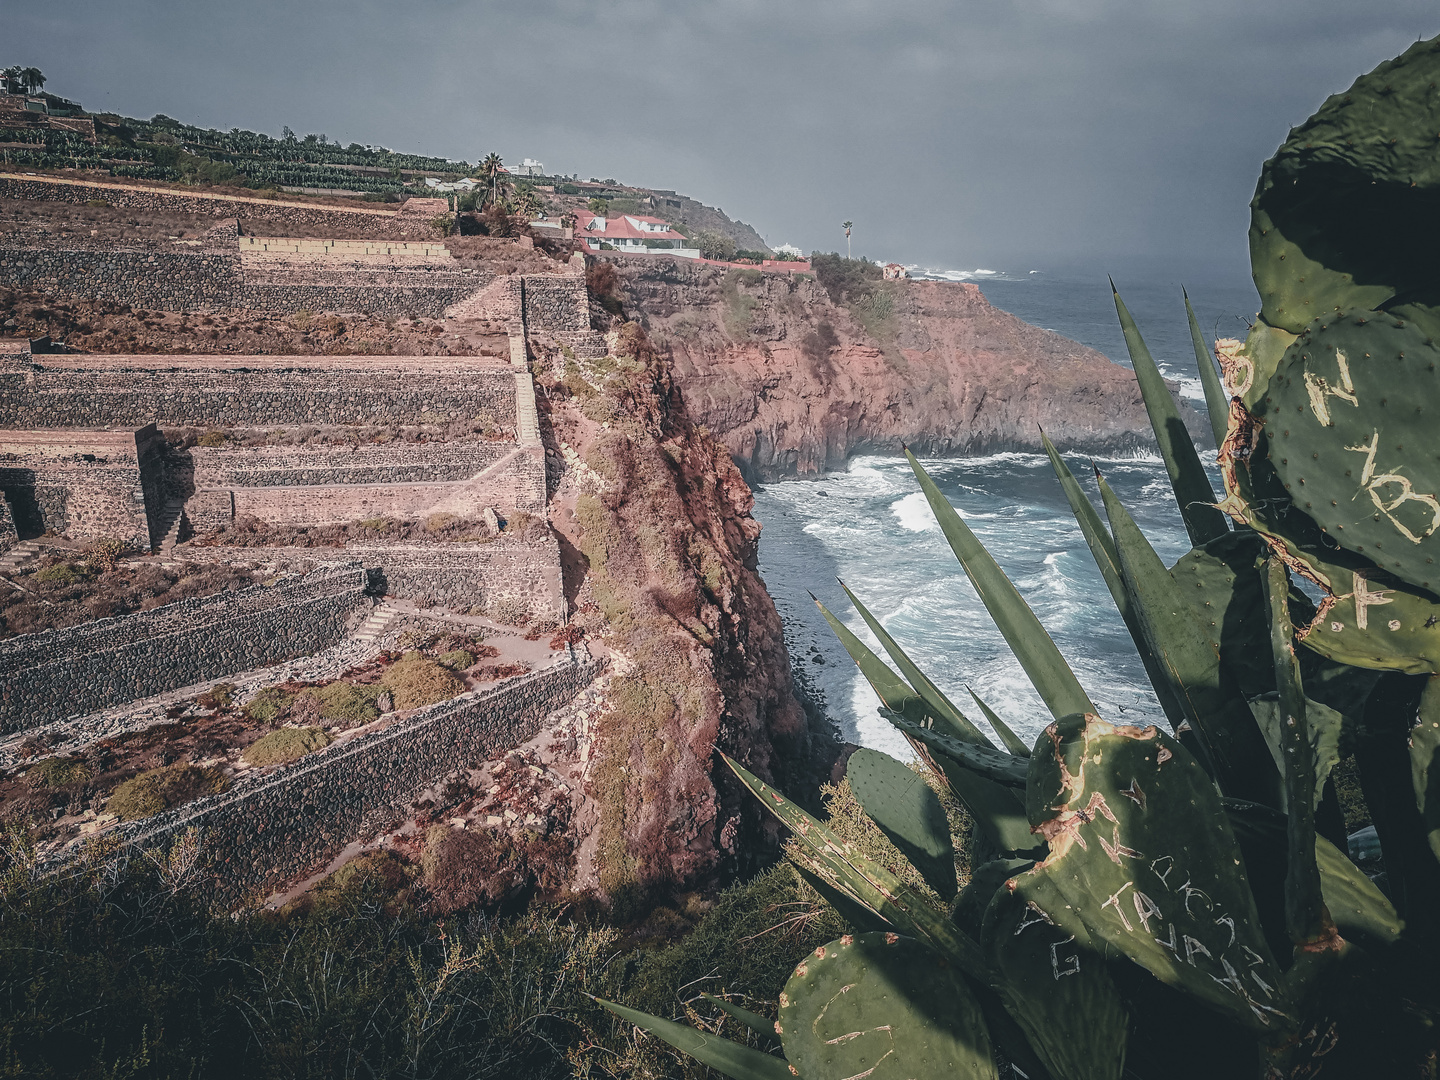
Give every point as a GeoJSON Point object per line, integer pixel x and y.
{"type": "Point", "coordinates": [269, 705]}
{"type": "Point", "coordinates": [160, 789]}
{"type": "Point", "coordinates": [346, 703]}
{"type": "Point", "coordinates": [416, 681]}
{"type": "Point", "coordinates": [284, 745]}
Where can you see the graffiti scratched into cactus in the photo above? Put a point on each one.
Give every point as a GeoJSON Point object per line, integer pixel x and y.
{"type": "Point", "coordinates": [1158, 905]}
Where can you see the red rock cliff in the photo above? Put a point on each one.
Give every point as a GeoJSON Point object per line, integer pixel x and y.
{"type": "Point", "coordinates": [793, 380]}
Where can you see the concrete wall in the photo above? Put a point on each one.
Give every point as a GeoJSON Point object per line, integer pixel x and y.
{"type": "Point", "coordinates": [58, 673]}
{"type": "Point", "coordinates": [224, 391]}
{"type": "Point", "coordinates": [275, 827]}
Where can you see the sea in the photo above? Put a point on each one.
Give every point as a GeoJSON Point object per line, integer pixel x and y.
{"type": "Point", "coordinates": [870, 526]}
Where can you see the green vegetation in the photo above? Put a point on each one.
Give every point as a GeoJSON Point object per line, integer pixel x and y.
{"type": "Point", "coordinates": [269, 704]}
{"type": "Point", "coordinates": [739, 305]}
{"type": "Point", "coordinates": [415, 681]}
{"type": "Point", "coordinates": [457, 659]}
{"type": "Point", "coordinates": [1256, 946]}
{"type": "Point", "coordinates": [714, 245]}
{"type": "Point", "coordinates": [284, 745]}
{"type": "Point", "coordinates": [346, 703]}
{"type": "Point", "coordinates": [58, 772]}
{"type": "Point", "coordinates": [160, 789]}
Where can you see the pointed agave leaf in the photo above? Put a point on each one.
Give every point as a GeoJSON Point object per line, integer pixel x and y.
{"type": "Point", "coordinates": [905, 808]}
{"type": "Point", "coordinates": [1022, 631]}
{"type": "Point", "coordinates": [998, 813]}
{"type": "Point", "coordinates": [1187, 476]}
{"type": "Point", "coordinates": [945, 714]}
{"type": "Point", "coordinates": [754, 1021]}
{"type": "Point", "coordinates": [1216, 402]}
{"type": "Point", "coordinates": [735, 1061]}
{"type": "Point", "coordinates": [1013, 742]}
{"type": "Point", "coordinates": [855, 914]}
{"type": "Point", "coordinates": [872, 884]}
{"type": "Point", "coordinates": [996, 765]}
{"type": "Point", "coordinates": [1102, 547]}
{"type": "Point", "coordinates": [1305, 915]}
{"type": "Point", "coordinates": [889, 687]}
{"type": "Point", "coordinates": [1213, 706]}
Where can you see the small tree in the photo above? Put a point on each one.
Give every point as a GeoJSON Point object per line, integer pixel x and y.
{"type": "Point", "coordinates": [846, 226]}
{"type": "Point", "coordinates": [714, 245]}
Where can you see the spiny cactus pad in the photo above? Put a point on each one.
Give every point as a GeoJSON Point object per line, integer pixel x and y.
{"type": "Point", "coordinates": [1348, 415]}
{"type": "Point", "coordinates": [1345, 212]}
{"type": "Point", "coordinates": [1142, 858]}
{"type": "Point", "coordinates": [884, 1007]}
{"type": "Point", "coordinates": [1071, 1010]}
{"type": "Point", "coordinates": [908, 812]}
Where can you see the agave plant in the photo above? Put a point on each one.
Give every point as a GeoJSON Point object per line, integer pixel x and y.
{"type": "Point", "coordinates": [1160, 903]}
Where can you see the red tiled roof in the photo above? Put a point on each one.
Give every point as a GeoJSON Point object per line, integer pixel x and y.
{"type": "Point", "coordinates": [620, 229]}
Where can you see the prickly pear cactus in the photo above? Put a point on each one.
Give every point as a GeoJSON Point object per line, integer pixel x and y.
{"type": "Point", "coordinates": [1337, 387]}
{"type": "Point", "coordinates": [1142, 858]}
{"type": "Point", "coordinates": [885, 1007]}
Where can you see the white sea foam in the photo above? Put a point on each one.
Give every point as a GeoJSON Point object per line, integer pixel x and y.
{"type": "Point", "coordinates": [913, 513]}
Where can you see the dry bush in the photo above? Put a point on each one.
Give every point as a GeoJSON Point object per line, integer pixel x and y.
{"type": "Point", "coordinates": [284, 745]}
{"type": "Point", "coordinates": [269, 705]}
{"type": "Point", "coordinates": [511, 610]}
{"type": "Point", "coordinates": [160, 789]}
{"type": "Point", "coordinates": [416, 681]}
{"type": "Point", "coordinates": [58, 773]}
{"type": "Point", "coordinates": [462, 869]}
{"type": "Point", "coordinates": [345, 702]}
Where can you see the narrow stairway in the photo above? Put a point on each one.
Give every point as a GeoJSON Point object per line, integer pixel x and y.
{"type": "Point", "coordinates": [374, 626]}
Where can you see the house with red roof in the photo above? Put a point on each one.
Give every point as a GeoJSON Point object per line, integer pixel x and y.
{"type": "Point", "coordinates": [633, 234]}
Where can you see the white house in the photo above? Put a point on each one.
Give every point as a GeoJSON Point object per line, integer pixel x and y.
{"type": "Point", "coordinates": [634, 234]}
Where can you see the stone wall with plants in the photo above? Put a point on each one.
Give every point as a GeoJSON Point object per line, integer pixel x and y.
{"type": "Point", "coordinates": [270, 829]}
{"type": "Point", "coordinates": [59, 673]}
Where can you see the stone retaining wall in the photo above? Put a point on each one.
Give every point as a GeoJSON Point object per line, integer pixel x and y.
{"type": "Point", "coordinates": [391, 464]}
{"type": "Point", "coordinates": [275, 827]}
{"type": "Point", "coordinates": [556, 302]}
{"type": "Point", "coordinates": [185, 391]}
{"type": "Point", "coordinates": [58, 673]}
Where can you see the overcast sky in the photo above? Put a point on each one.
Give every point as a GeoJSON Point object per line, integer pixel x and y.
{"type": "Point", "coordinates": [1006, 134]}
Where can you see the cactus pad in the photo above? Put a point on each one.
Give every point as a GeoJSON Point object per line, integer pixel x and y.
{"type": "Point", "coordinates": [884, 1007]}
{"type": "Point", "coordinates": [1142, 858]}
{"type": "Point", "coordinates": [1344, 212]}
{"type": "Point", "coordinates": [899, 801]}
{"type": "Point", "coordinates": [1348, 415]}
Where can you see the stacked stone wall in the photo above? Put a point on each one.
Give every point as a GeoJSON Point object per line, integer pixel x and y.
{"type": "Point", "coordinates": [59, 673]}
{"type": "Point", "coordinates": [395, 464]}
{"type": "Point", "coordinates": [275, 827]}
{"type": "Point", "coordinates": [131, 391]}
{"type": "Point", "coordinates": [83, 484]}
{"type": "Point", "coordinates": [556, 303]}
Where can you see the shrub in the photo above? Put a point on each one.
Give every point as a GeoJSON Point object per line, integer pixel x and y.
{"type": "Point", "coordinates": [417, 681]}
{"type": "Point", "coordinates": [211, 439]}
{"type": "Point", "coordinates": [105, 552]}
{"type": "Point", "coordinates": [301, 320]}
{"type": "Point", "coordinates": [285, 745]}
{"type": "Point", "coordinates": [61, 574]}
{"type": "Point", "coordinates": [346, 702]}
{"type": "Point", "coordinates": [57, 773]}
{"type": "Point", "coordinates": [219, 696]}
{"type": "Point", "coordinates": [465, 868]}
{"type": "Point", "coordinates": [510, 610]}
{"type": "Point", "coordinates": [269, 705]}
{"type": "Point", "coordinates": [160, 789]}
{"type": "Point", "coordinates": [457, 660]}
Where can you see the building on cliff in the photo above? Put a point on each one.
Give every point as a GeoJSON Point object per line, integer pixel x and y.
{"type": "Point", "coordinates": [633, 234]}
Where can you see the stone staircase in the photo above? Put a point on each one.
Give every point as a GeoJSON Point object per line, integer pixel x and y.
{"type": "Point", "coordinates": [18, 556]}
{"type": "Point", "coordinates": [172, 517]}
{"type": "Point", "coordinates": [375, 625]}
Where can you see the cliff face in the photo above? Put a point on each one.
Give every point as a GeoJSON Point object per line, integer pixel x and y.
{"type": "Point", "coordinates": [794, 379]}
{"type": "Point", "coordinates": [661, 554]}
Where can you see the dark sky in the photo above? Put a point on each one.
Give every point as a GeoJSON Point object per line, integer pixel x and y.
{"type": "Point", "coordinates": [962, 134]}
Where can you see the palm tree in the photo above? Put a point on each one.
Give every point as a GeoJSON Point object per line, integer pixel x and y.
{"type": "Point", "coordinates": [846, 226]}
{"type": "Point", "coordinates": [33, 78]}
{"type": "Point", "coordinates": [490, 170]}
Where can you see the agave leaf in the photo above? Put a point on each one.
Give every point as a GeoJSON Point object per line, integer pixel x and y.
{"type": "Point", "coordinates": [871, 883]}
{"type": "Point", "coordinates": [1032, 646]}
{"type": "Point", "coordinates": [1214, 707]}
{"type": "Point", "coordinates": [1216, 403]}
{"type": "Point", "coordinates": [855, 914]}
{"type": "Point", "coordinates": [754, 1021]}
{"type": "Point", "coordinates": [735, 1061]}
{"type": "Point", "coordinates": [996, 765]}
{"type": "Point", "coordinates": [1013, 742]}
{"type": "Point", "coordinates": [1187, 476]}
{"type": "Point", "coordinates": [1305, 915]}
{"type": "Point", "coordinates": [908, 812]}
{"type": "Point", "coordinates": [946, 715]}
{"type": "Point", "coordinates": [889, 687]}
{"type": "Point", "coordinates": [1102, 547]}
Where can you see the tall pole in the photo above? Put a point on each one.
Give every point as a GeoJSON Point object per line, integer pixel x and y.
{"type": "Point", "coordinates": [846, 225]}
